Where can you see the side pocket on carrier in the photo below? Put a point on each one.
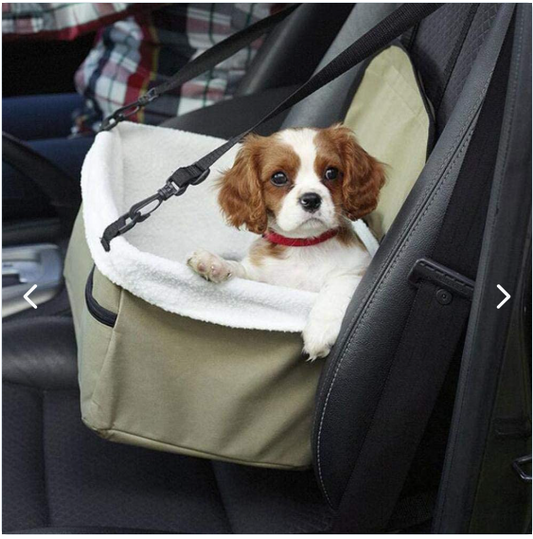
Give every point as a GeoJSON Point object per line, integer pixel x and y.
{"type": "Point", "coordinates": [94, 343]}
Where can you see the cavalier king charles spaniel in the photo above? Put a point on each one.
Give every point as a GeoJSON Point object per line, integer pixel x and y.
{"type": "Point", "coordinates": [299, 189]}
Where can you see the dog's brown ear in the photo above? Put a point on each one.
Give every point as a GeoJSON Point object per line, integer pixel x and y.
{"type": "Point", "coordinates": [241, 194]}
{"type": "Point", "coordinates": [364, 176]}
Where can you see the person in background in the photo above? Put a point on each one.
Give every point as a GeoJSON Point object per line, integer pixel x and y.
{"type": "Point", "coordinates": [137, 47]}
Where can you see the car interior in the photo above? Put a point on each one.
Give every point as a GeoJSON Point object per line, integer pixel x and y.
{"type": "Point", "coordinates": [468, 469]}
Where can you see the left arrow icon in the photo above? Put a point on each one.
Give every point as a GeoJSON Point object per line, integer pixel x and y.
{"type": "Point", "coordinates": [27, 294]}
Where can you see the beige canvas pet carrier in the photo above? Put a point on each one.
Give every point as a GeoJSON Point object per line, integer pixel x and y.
{"type": "Point", "coordinates": [171, 362]}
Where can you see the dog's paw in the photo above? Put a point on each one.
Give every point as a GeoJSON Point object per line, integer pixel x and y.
{"type": "Point", "coordinates": [319, 337]}
{"type": "Point", "coordinates": [210, 267]}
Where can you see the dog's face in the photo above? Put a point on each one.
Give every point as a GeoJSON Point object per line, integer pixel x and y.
{"type": "Point", "coordinates": [300, 182]}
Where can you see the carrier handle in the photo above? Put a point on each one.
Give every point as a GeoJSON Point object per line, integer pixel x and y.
{"type": "Point", "coordinates": [392, 26]}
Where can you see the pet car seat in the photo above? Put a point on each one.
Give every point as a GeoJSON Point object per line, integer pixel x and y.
{"type": "Point", "coordinates": [171, 362]}
{"type": "Point", "coordinates": [59, 477]}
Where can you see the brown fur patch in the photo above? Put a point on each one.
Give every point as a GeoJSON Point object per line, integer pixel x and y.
{"type": "Point", "coordinates": [246, 193]}
{"type": "Point", "coordinates": [275, 157]}
{"type": "Point", "coordinates": [361, 175]}
{"type": "Point", "coordinates": [347, 237]}
{"type": "Point", "coordinates": [262, 249]}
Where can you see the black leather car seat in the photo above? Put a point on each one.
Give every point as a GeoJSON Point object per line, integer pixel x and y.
{"type": "Point", "coordinates": [59, 476]}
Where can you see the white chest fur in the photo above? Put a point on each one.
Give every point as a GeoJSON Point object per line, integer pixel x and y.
{"type": "Point", "coordinates": [310, 267]}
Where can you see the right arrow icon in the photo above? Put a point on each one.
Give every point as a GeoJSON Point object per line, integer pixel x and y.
{"type": "Point", "coordinates": [505, 293]}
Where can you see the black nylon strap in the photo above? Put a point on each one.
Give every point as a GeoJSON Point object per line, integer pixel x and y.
{"type": "Point", "coordinates": [433, 333]}
{"type": "Point", "coordinates": [210, 58]}
{"type": "Point", "coordinates": [395, 24]}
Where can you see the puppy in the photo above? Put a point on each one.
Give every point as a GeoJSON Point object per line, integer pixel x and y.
{"type": "Point", "coordinates": [299, 189]}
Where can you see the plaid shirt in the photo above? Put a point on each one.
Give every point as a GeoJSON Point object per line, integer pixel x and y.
{"type": "Point", "coordinates": [139, 46]}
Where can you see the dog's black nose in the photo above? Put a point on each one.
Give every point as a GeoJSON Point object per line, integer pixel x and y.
{"type": "Point", "coordinates": [310, 202]}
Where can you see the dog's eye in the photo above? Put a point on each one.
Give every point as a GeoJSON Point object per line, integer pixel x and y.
{"type": "Point", "coordinates": [279, 179]}
{"type": "Point", "coordinates": [331, 173]}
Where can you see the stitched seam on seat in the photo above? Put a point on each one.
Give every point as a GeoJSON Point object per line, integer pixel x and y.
{"type": "Point", "coordinates": [24, 321]}
{"type": "Point", "coordinates": [222, 502]}
{"type": "Point", "coordinates": [24, 386]}
{"type": "Point", "coordinates": [45, 481]}
{"type": "Point", "coordinates": [437, 186]}
{"type": "Point", "coordinates": [41, 394]}
{"type": "Point", "coordinates": [502, 164]}
{"type": "Point", "coordinates": [39, 388]}
{"type": "Point", "coordinates": [360, 321]}
{"type": "Point", "coordinates": [424, 196]}
{"type": "Point", "coordinates": [399, 240]}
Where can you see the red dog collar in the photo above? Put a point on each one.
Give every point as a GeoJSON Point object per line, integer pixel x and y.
{"type": "Point", "coordinates": [273, 237]}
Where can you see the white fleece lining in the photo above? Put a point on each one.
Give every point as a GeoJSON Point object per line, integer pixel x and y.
{"type": "Point", "coordinates": [130, 163]}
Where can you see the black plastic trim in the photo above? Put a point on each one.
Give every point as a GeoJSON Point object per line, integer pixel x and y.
{"type": "Point", "coordinates": [426, 269]}
{"type": "Point", "coordinates": [103, 315]}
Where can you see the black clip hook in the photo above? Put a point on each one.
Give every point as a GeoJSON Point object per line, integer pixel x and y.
{"type": "Point", "coordinates": [125, 112]}
{"type": "Point", "coordinates": [137, 215]}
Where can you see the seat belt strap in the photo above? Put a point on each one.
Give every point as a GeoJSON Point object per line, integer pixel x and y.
{"type": "Point", "coordinates": [434, 330]}
{"type": "Point", "coordinates": [392, 26]}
